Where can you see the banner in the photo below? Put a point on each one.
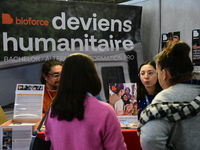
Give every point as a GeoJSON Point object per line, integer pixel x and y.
{"type": "Point", "coordinates": [33, 31]}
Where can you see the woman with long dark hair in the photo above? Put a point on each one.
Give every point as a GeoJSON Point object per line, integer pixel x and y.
{"type": "Point", "coordinates": [147, 85]}
{"type": "Point", "coordinates": [76, 119]}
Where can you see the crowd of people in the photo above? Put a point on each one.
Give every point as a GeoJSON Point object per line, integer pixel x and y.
{"type": "Point", "coordinates": [164, 124]}
{"type": "Point", "coordinates": [166, 99]}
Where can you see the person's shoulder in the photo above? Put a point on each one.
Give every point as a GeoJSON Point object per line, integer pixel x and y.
{"type": "Point", "coordinates": [163, 95]}
{"type": "Point", "coordinates": [114, 96]}
{"type": "Point", "coordinates": [98, 105]}
{"type": "Point", "coordinates": [92, 99]}
{"type": "Point", "coordinates": [119, 101]}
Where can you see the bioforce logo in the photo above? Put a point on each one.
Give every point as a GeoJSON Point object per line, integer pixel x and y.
{"type": "Point", "coordinates": [7, 19]}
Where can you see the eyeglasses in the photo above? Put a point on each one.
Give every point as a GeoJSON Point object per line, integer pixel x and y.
{"type": "Point", "coordinates": [150, 73]}
{"type": "Point", "coordinates": [54, 75]}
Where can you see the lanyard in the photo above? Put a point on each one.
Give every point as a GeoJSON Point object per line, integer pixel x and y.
{"type": "Point", "coordinates": [147, 100]}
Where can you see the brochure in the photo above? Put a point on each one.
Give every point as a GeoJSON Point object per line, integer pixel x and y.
{"type": "Point", "coordinates": [17, 138]}
{"type": "Point", "coordinates": [28, 101]}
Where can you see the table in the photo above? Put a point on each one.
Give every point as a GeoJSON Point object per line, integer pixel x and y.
{"type": "Point", "coordinates": [130, 138]}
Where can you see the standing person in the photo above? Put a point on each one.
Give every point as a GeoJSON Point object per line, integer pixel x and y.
{"type": "Point", "coordinates": [147, 85]}
{"type": "Point", "coordinates": [50, 77]}
{"type": "Point", "coordinates": [126, 102]}
{"type": "Point", "coordinates": [128, 92]}
{"type": "Point", "coordinates": [77, 120]}
{"type": "Point", "coordinates": [176, 124]}
{"type": "Point", "coordinates": [116, 99]}
{"type": "Point", "coordinates": [118, 92]}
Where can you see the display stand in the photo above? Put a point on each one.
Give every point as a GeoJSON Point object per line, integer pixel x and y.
{"type": "Point", "coordinates": [16, 133]}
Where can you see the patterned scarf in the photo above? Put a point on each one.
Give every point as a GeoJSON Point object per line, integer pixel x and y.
{"type": "Point", "coordinates": [170, 111]}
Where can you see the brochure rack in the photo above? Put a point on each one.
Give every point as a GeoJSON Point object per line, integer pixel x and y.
{"type": "Point", "coordinates": [16, 133]}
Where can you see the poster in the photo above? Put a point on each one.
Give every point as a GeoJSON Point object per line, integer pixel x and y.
{"type": "Point", "coordinates": [196, 47]}
{"type": "Point", "coordinates": [170, 37]}
{"type": "Point", "coordinates": [34, 31]}
{"type": "Point", "coordinates": [122, 97]}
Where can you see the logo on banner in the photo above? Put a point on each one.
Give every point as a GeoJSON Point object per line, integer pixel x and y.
{"type": "Point", "coordinates": [7, 19]}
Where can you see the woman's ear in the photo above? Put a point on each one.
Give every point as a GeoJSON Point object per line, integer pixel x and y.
{"type": "Point", "coordinates": [165, 75]}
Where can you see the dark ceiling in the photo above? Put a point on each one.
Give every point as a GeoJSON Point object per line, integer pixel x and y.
{"type": "Point", "coordinates": [102, 1]}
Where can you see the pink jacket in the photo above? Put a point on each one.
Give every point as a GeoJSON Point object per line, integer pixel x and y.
{"type": "Point", "coordinates": [99, 130]}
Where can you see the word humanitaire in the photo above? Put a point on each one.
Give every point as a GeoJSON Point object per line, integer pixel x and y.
{"type": "Point", "coordinates": [64, 44]}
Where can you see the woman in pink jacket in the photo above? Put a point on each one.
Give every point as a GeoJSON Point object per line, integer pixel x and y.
{"type": "Point", "coordinates": [76, 119]}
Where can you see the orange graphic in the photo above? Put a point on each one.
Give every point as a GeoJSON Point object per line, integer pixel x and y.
{"type": "Point", "coordinates": [6, 19]}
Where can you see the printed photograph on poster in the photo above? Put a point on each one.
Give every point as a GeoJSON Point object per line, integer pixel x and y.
{"type": "Point", "coordinates": [170, 37]}
{"type": "Point", "coordinates": [196, 47]}
{"type": "Point", "coordinates": [122, 97]}
{"type": "Point", "coordinates": [30, 87]}
{"type": "Point", "coordinates": [7, 139]}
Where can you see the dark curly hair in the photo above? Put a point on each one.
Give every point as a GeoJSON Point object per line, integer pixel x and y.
{"type": "Point", "coordinates": [46, 67]}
